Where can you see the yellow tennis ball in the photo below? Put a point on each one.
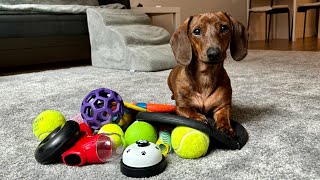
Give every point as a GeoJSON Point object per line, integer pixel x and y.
{"type": "Point", "coordinates": [46, 122]}
{"type": "Point", "coordinates": [114, 132]}
{"type": "Point", "coordinates": [189, 143]}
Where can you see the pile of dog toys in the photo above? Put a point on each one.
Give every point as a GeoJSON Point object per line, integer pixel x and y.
{"type": "Point", "coordinates": [102, 131]}
{"type": "Point", "coordinates": [108, 128]}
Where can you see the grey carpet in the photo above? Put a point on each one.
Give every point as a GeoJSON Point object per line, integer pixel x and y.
{"type": "Point", "coordinates": [276, 97]}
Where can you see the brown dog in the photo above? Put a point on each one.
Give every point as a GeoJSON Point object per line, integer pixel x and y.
{"type": "Point", "coordinates": [200, 84]}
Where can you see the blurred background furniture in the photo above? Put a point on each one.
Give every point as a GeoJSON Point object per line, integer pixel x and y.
{"type": "Point", "coordinates": [46, 31]}
{"type": "Point", "coordinates": [125, 39]}
{"type": "Point", "coordinates": [158, 11]}
{"type": "Point", "coordinates": [305, 8]}
{"type": "Point", "coordinates": [126, 3]}
{"type": "Point", "coordinates": [269, 10]}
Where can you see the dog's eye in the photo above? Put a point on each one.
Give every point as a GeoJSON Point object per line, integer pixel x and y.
{"type": "Point", "coordinates": [224, 29]}
{"type": "Point", "coordinates": [196, 31]}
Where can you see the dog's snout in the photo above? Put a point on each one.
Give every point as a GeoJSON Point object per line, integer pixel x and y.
{"type": "Point", "coordinates": [213, 54]}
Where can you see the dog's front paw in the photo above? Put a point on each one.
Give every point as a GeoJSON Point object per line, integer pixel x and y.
{"type": "Point", "coordinates": [228, 130]}
{"type": "Point", "coordinates": [200, 117]}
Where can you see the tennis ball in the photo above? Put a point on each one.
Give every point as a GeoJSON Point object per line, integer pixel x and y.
{"type": "Point", "coordinates": [140, 130]}
{"type": "Point", "coordinates": [46, 122]}
{"type": "Point", "coordinates": [114, 132]}
{"type": "Point", "coordinates": [189, 143]}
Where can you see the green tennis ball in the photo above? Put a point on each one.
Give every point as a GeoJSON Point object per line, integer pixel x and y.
{"type": "Point", "coordinates": [140, 130]}
{"type": "Point", "coordinates": [189, 143]}
{"type": "Point", "coordinates": [46, 122]}
{"type": "Point", "coordinates": [114, 132]}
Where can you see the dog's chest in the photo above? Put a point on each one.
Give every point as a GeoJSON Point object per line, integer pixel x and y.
{"type": "Point", "coordinates": [203, 101]}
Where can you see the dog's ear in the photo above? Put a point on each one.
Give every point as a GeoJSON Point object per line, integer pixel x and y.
{"type": "Point", "coordinates": [180, 43]}
{"type": "Point", "coordinates": [239, 39]}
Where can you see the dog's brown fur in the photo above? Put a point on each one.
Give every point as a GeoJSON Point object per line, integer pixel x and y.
{"type": "Point", "coordinates": [199, 83]}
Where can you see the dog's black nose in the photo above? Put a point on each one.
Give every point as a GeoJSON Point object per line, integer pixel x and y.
{"type": "Point", "coordinates": [213, 54]}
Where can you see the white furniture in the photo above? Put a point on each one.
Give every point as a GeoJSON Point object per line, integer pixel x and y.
{"type": "Point", "coordinates": [154, 11]}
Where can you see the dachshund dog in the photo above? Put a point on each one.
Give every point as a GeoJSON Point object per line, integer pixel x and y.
{"type": "Point", "coordinates": [199, 83]}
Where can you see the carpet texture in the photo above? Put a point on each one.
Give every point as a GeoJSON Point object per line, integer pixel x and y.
{"type": "Point", "coordinates": [276, 97]}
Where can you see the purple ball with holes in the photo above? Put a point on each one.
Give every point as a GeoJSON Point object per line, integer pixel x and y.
{"type": "Point", "coordinates": [100, 107]}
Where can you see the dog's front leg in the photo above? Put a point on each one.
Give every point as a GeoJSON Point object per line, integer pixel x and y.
{"type": "Point", "coordinates": [222, 119]}
{"type": "Point", "coordinates": [191, 113]}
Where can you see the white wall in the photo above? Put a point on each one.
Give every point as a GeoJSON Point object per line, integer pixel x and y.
{"type": "Point", "coordinates": [237, 8]}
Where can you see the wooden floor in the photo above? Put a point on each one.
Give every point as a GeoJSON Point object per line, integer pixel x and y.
{"type": "Point", "coordinates": [308, 44]}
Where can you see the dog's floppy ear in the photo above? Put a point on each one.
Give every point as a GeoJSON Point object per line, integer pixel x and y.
{"type": "Point", "coordinates": [239, 39]}
{"type": "Point", "coordinates": [180, 43]}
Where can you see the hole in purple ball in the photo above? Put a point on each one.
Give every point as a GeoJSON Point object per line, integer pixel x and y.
{"type": "Point", "coordinates": [99, 104]}
{"type": "Point", "coordinates": [89, 111]}
{"type": "Point", "coordinates": [113, 105]}
{"type": "Point", "coordinates": [104, 94]}
{"type": "Point", "coordinates": [91, 98]}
